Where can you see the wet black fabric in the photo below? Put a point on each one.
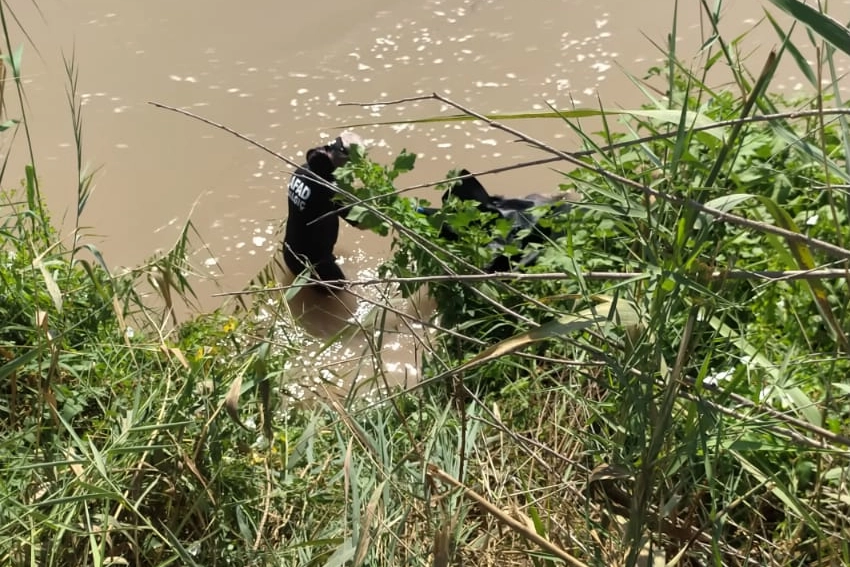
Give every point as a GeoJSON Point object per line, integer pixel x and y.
{"type": "Point", "coordinates": [309, 243]}
{"type": "Point", "coordinates": [326, 269]}
{"type": "Point", "coordinates": [521, 213]}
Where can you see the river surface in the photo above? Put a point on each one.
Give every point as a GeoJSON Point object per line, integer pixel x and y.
{"type": "Point", "coordinates": [277, 71]}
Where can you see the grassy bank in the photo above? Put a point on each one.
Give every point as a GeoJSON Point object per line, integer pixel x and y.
{"type": "Point", "coordinates": [666, 384]}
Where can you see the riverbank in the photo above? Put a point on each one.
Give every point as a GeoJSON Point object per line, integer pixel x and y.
{"type": "Point", "coordinates": [665, 383]}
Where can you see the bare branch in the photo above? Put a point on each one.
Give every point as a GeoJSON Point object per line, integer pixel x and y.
{"type": "Point", "coordinates": [766, 275]}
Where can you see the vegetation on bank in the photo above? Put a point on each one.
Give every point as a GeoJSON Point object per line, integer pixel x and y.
{"type": "Point", "coordinates": [667, 383]}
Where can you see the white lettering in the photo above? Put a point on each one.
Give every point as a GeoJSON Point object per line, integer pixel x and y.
{"type": "Point", "coordinates": [299, 192]}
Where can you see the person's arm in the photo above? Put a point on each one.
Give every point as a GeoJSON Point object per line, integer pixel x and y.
{"type": "Point", "coordinates": [321, 163]}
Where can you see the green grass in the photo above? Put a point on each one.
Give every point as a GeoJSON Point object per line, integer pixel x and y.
{"type": "Point", "coordinates": [695, 412]}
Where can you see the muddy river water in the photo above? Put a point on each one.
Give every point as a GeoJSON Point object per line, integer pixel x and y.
{"type": "Point", "coordinates": [276, 71]}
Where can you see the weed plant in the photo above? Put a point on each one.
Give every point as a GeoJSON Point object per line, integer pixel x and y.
{"type": "Point", "coordinates": [667, 385]}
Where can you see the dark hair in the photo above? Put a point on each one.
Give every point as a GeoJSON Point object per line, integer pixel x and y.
{"type": "Point", "coordinates": [469, 189]}
{"type": "Point", "coordinates": [338, 146]}
{"type": "Point", "coordinates": [319, 161]}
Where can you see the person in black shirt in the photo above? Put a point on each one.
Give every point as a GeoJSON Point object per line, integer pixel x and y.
{"type": "Point", "coordinates": [308, 244]}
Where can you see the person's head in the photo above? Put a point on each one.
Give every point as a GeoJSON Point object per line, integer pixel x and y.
{"type": "Point", "coordinates": [325, 159]}
{"type": "Point", "coordinates": [340, 148]}
{"type": "Point", "coordinates": [469, 189]}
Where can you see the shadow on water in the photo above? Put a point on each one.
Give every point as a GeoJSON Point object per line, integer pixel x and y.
{"type": "Point", "coordinates": [321, 314]}
{"type": "Point", "coordinates": [348, 343]}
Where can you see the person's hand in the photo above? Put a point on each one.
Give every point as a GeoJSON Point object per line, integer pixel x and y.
{"type": "Point", "coordinates": [365, 219]}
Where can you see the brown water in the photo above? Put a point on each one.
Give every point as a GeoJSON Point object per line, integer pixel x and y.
{"type": "Point", "coordinates": [277, 71]}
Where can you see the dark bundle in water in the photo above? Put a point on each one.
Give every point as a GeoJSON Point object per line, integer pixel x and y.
{"type": "Point", "coordinates": [524, 214]}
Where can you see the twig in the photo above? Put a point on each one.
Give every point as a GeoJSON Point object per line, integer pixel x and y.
{"type": "Point", "coordinates": [783, 417]}
{"type": "Point", "coordinates": [768, 275]}
{"type": "Point", "coordinates": [601, 149]}
{"type": "Point", "coordinates": [494, 511]}
{"type": "Point", "coordinates": [226, 129]}
{"type": "Point", "coordinates": [387, 102]}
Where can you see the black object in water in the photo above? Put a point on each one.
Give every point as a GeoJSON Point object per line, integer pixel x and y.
{"type": "Point", "coordinates": [523, 213]}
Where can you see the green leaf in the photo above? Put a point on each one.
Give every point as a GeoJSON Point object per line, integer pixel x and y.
{"type": "Point", "coordinates": [304, 444]}
{"type": "Point", "coordinates": [799, 58]}
{"type": "Point", "coordinates": [804, 404]}
{"type": "Point", "coordinates": [15, 61]}
{"type": "Point", "coordinates": [539, 526]}
{"type": "Point", "coordinates": [805, 261]}
{"type": "Point", "coordinates": [178, 547]}
{"type": "Point", "coordinates": [725, 203]}
{"type": "Point", "coordinates": [52, 287]}
{"type": "Point", "coordinates": [728, 202]}
{"type": "Point", "coordinates": [231, 400]}
{"type": "Point", "coordinates": [32, 188]}
{"type": "Point", "coordinates": [825, 26]}
{"type": "Point", "coordinates": [763, 473]}
{"type": "Point", "coordinates": [733, 337]}
{"type": "Point", "coordinates": [97, 256]}
{"type": "Point", "coordinates": [366, 525]}
{"type": "Point", "coordinates": [367, 220]}
{"type": "Point", "coordinates": [7, 369]}
{"type": "Point", "coordinates": [404, 162]}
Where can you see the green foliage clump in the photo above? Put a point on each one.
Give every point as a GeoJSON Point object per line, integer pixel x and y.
{"type": "Point", "coordinates": [660, 383]}
{"type": "Point", "coordinates": [716, 371]}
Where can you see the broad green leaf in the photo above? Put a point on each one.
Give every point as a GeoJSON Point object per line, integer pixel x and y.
{"type": "Point", "coordinates": [404, 162]}
{"type": "Point", "coordinates": [178, 547]}
{"type": "Point", "coordinates": [728, 202]}
{"type": "Point", "coordinates": [303, 445]}
{"type": "Point", "coordinates": [825, 26]}
{"type": "Point", "coordinates": [97, 256]}
{"type": "Point", "coordinates": [805, 261]}
{"type": "Point", "coordinates": [539, 526]}
{"type": "Point", "coordinates": [803, 148]}
{"type": "Point", "coordinates": [844, 388]}
{"type": "Point", "coordinates": [367, 220]}
{"type": "Point", "coordinates": [98, 461]}
{"type": "Point", "coordinates": [243, 525]}
{"type": "Point", "coordinates": [797, 399]}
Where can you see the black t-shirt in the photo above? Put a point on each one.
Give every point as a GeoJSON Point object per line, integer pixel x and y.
{"type": "Point", "coordinates": [308, 200]}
